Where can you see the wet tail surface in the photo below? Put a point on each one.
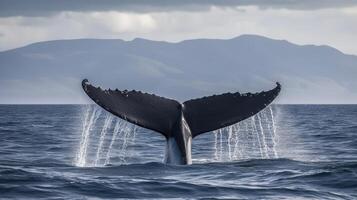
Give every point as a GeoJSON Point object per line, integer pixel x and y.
{"type": "Point", "coordinates": [161, 114]}
{"type": "Point", "coordinates": [179, 123]}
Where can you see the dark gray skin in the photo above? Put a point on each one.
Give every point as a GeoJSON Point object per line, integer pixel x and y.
{"type": "Point", "coordinates": [180, 138]}
{"type": "Point", "coordinates": [178, 122]}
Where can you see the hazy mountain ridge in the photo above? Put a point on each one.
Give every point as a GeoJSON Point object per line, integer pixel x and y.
{"type": "Point", "coordinates": [51, 71]}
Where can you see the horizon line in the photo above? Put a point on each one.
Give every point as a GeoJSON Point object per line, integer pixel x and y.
{"type": "Point", "coordinates": [68, 104]}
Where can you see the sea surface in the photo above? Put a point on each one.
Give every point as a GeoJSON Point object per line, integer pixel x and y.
{"type": "Point", "coordinates": [82, 152]}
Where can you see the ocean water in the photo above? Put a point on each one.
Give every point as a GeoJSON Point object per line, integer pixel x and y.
{"type": "Point", "coordinates": [82, 152]}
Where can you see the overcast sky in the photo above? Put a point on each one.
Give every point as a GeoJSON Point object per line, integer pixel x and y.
{"type": "Point", "coordinates": [304, 22]}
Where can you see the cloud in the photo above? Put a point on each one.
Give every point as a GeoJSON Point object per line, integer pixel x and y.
{"type": "Point", "coordinates": [18, 31]}
{"type": "Point", "coordinates": [334, 27]}
{"type": "Point", "coordinates": [45, 7]}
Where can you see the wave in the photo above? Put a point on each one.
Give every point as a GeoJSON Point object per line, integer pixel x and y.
{"type": "Point", "coordinates": [42, 126]}
{"type": "Point", "coordinates": [276, 178]}
{"type": "Point", "coordinates": [317, 159]}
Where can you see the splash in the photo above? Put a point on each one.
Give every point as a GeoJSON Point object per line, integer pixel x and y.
{"type": "Point", "coordinates": [215, 144]}
{"type": "Point", "coordinates": [98, 145]}
{"type": "Point", "coordinates": [273, 130]}
{"type": "Point", "coordinates": [252, 138]}
{"type": "Point", "coordinates": [115, 133]}
{"type": "Point", "coordinates": [128, 138]}
{"type": "Point", "coordinates": [103, 133]}
{"type": "Point", "coordinates": [255, 130]}
{"type": "Point", "coordinates": [106, 140]}
{"type": "Point", "coordinates": [91, 115]}
{"type": "Point", "coordinates": [126, 134]}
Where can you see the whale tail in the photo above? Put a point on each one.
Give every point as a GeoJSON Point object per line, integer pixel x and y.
{"type": "Point", "coordinates": [161, 114]}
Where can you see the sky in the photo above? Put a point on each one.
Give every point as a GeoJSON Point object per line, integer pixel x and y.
{"type": "Point", "coordinates": [317, 22]}
{"type": "Point", "coordinates": [320, 22]}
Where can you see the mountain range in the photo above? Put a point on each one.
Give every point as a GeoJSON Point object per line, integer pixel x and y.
{"type": "Point", "coordinates": [51, 71]}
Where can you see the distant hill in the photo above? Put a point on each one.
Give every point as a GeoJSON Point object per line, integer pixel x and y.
{"type": "Point", "coordinates": [50, 72]}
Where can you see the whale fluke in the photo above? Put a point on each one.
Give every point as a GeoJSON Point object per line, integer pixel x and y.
{"type": "Point", "coordinates": [218, 111]}
{"type": "Point", "coordinates": [145, 110]}
{"type": "Point", "coordinates": [179, 123]}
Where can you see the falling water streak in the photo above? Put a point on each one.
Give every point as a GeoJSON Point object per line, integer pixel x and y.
{"type": "Point", "coordinates": [84, 127]}
{"type": "Point", "coordinates": [235, 131]}
{"type": "Point", "coordinates": [273, 132]}
{"type": "Point", "coordinates": [231, 140]}
{"type": "Point", "coordinates": [263, 136]}
{"type": "Point", "coordinates": [232, 131]}
{"type": "Point", "coordinates": [240, 135]}
{"type": "Point", "coordinates": [272, 119]}
{"type": "Point", "coordinates": [106, 126]}
{"type": "Point", "coordinates": [98, 112]}
{"type": "Point", "coordinates": [135, 128]}
{"type": "Point", "coordinates": [125, 137]}
{"type": "Point", "coordinates": [133, 135]}
{"type": "Point", "coordinates": [254, 129]}
{"type": "Point", "coordinates": [115, 132]}
{"type": "Point", "coordinates": [229, 129]}
{"type": "Point", "coordinates": [251, 138]}
{"type": "Point", "coordinates": [82, 154]}
{"type": "Point", "coordinates": [265, 119]}
{"type": "Point", "coordinates": [215, 144]}
{"type": "Point", "coordinates": [85, 122]}
{"type": "Point", "coordinates": [246, 139]}
{"type": "Point", "coordinates": [220, 144]}
{"type": "Point", "coordinates": [236, 152]}
{"type": "Point", "coordinates": [273, 122]}
{"type": "Point", "coordinates": [237, 148]}
{"type": "Point", "coordinates": [131, 139]}
{"type": "Point", "coordinates": [126, 131]}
